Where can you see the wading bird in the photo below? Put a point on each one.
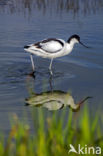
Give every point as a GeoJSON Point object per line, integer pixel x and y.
{"type": "Point", "coordinates": [52, 48]}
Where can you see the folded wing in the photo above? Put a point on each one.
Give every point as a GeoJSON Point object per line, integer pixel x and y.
{"type": "Point", "coordinates": [50, 45]}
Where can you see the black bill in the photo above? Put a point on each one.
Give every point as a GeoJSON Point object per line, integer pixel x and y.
{"type": "Point", "coordinates": [84, 45]}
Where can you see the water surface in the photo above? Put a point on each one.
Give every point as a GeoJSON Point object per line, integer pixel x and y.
{"type": "Point", "coordinates": [81, 72]}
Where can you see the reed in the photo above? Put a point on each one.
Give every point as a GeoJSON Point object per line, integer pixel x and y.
{"type": "Point", "coordinates": [52, 134]}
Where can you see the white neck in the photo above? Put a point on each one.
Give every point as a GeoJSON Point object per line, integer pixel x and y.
{"type": "Point", "coordinates": [72, 42]}
{"type": "Point", "coordinates": [69, 46]}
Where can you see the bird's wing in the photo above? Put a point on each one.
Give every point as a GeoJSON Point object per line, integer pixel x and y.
{"type": "Point", "coordinates": [50, 45]}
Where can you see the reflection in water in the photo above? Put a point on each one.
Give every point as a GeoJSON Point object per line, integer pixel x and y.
{"type": "Point", "coordinates": [27, 6]}
{"type": "Point", "coordinates": [53, 99]}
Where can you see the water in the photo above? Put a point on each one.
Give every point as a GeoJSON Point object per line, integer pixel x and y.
{"type": "Point", "coordinates": [81, 72]}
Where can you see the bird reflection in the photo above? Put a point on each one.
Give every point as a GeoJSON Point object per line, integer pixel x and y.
{"type": "Point", "coordinates": [54, 99]}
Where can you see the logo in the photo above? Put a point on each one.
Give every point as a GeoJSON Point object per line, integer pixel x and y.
{"type": "Point", "coordinates": [85, 150]}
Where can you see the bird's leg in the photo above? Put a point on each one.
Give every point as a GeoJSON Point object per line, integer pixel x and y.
{"type": "Point", "coordinates": [32, 63]}
{"type": "Point", "coordinates": [50, 66]}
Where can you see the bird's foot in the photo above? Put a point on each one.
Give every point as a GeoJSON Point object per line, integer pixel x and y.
{"type": "Point", "coordinates": [32, 74]}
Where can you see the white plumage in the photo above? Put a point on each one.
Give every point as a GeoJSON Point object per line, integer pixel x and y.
{"type": "Point", "coordinates": [49, 49]}
{"type": "Point", "coordinates": [52, 48]}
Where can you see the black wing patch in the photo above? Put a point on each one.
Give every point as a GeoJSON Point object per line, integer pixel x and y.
{"type": "Point", "coordinates": [48, 40]}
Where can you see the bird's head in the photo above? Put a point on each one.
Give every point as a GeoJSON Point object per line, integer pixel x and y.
{"type": "Point", "coordinates": [75, 39]}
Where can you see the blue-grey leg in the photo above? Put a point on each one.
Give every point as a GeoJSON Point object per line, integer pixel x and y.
{"type": "Point", "coordinates": [32, 62]}
{"type": "Point", "coordinates": [50, 66]}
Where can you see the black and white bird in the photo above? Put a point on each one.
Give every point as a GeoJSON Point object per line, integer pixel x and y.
{"type": "Point", "coordinates": [52, 48]}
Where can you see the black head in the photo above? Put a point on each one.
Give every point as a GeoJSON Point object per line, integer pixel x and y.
{"type": "Point", "coordinates": [74, 37]}
{"type": "Point", "coordinates": [76, 40]}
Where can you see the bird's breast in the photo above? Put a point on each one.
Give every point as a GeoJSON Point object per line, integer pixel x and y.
{"type": "Point", "coordinates": [68, 48]}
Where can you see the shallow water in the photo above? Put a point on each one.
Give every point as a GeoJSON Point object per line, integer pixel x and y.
{"type": "Point", "coordinates": [81, 72]}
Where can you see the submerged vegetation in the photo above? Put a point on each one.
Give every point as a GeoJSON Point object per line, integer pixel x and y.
{"type": "Point", "coordinates": [53, 134]}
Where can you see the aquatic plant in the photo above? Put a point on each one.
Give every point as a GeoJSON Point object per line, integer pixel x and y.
{"type": "Point", "coordinates": [52, 134]}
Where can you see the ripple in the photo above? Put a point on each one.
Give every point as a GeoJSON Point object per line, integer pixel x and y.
{"type": "Point", "coordinates": [83, 63]}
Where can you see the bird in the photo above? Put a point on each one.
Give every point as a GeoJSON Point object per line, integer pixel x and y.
{"type": "Point", "coordinates": [52, 48]}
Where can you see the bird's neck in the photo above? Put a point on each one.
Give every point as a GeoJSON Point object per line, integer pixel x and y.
{"type": "Point", "coordinates": [72, 43]}
{"type": "Point", "coordinates": [69, 47]}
